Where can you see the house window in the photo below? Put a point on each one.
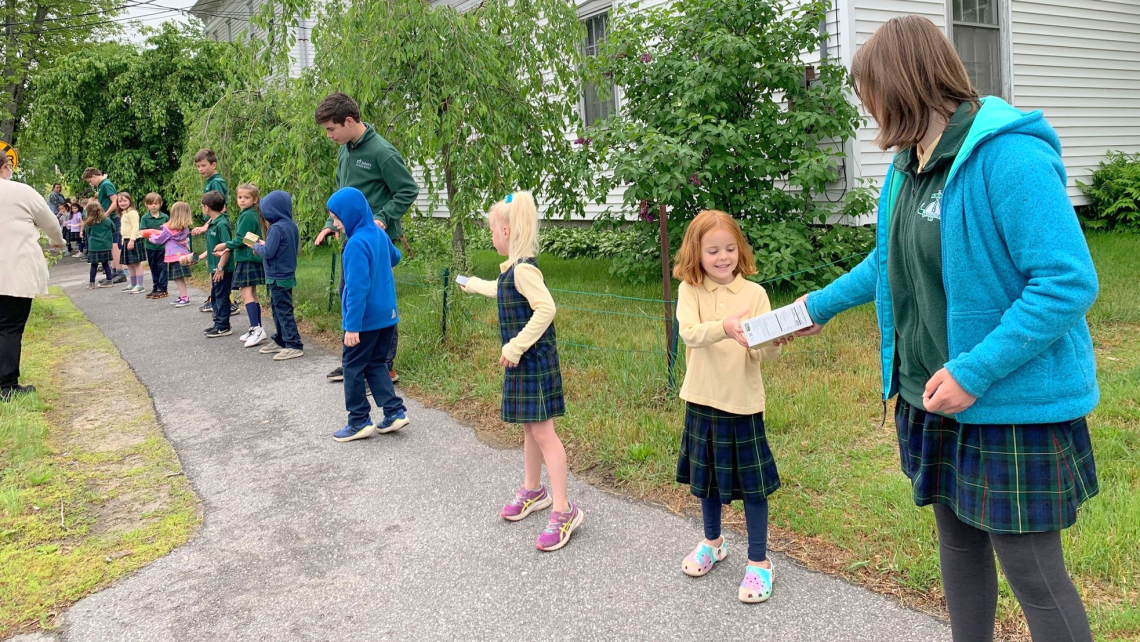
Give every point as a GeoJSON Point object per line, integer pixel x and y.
{"type": "Point", "coordinates": [595, 108]}
{"type": "Point", "coordinates": [977, 34]}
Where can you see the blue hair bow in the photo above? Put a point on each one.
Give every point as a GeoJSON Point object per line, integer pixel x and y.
{"type": "Point", "coordinates": [509, 198]}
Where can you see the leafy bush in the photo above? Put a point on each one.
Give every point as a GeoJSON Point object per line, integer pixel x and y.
{"type": "Point", "coordinates": [1115, 193]}
{"type": "Point", "coordinates": [583, 242]}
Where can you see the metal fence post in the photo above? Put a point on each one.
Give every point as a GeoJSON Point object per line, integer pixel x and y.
{"type": "Point", "coordinates": [332, 281]}
{"type": "Point", "coordinates": [443, 314]}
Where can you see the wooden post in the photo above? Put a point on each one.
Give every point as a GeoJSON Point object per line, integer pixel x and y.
{"type": "Point", "coordinates": [666, 276]}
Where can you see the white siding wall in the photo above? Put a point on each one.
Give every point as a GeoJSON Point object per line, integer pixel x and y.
{"type": "Point", "coordinates": [1079, 62]}
{"type": "Point", "coordinates": [867, 16]}
{"type": "Point", "coordinates": [227, 20]}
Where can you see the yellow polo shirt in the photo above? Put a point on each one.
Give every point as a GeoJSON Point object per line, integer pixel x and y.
{"type": "Point", "coordinates": [721, 373]}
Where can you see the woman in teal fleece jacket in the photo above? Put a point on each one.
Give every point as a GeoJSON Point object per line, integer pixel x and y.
{"type": "Point", "coordinates": [981, 279]}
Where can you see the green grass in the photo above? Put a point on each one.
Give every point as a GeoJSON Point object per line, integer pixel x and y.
{"type": "Point", "coordinates": [838, 461]}
{"type": "Point", "coordinates": [56, 487]}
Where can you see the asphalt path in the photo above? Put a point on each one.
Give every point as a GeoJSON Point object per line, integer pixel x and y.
{"type": "Point", "coordinates": [398, 537]}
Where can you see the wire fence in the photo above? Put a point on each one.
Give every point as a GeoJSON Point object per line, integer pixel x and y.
{"type": "Point", "coordinates": [670, 351]}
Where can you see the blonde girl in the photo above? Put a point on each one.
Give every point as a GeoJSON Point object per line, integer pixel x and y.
{"type": "Point", "coordinates": [248, 269]}
{"type": "Point", "coordinates": [133, 253]}
{"type": "Point", "coordinates": [174, 237]}
{"type": "Point", "coordinates": [724, 451]}
{"type": "Point", "coordinates": [532, 382]}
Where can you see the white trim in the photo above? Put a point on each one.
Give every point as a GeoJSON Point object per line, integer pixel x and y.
{"type": "Point", "coordinates": [1004, 12]}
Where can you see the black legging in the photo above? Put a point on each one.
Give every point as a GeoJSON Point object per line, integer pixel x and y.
{"type": "Point", "coordinates": [1035, 567]}
{"type": "Point", "coordinates": [14, 313]}
{"type": "Point", "coordinates": [106, 270]}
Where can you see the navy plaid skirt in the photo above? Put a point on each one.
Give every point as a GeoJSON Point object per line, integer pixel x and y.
{"type": "Point", "coordinates": [176, 270]}
{"type": "Point", "coordinates": [1004, 479]}
{"type": "Point", "coordinates": [532, 392]}
{"type": "Point", "coordinates": [129, 257]}
{"type": "Point", "coordinates": [247, 274]}
{"type": "Point", "coordinates": [99, 256]}
{"type": "Point", "coordinates": [726, 455]}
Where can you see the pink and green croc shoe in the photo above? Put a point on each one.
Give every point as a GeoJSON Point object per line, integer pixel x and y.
{"type": "Point", "coordinates": [757, 584]}
{"type": "Point", "coordinates": [701, 560]}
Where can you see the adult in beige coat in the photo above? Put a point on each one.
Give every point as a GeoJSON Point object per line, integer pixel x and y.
{"type": "Point", "coordinates": [23, 270]}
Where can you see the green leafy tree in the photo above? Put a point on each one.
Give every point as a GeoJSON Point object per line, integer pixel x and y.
{"type": "Point", "coordinates": [124, 108]}
{"type": "Point", "coordinates": [35, 34]}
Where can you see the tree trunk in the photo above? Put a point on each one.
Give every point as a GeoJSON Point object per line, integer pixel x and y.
{"type": "Point", "coordinates": [458, 244]}
{"type": "Point", "coordinates": [16, 71]}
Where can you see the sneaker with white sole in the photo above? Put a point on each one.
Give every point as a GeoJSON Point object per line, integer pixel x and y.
{"type": "Point", "coordinates": [526, 502]}
{"type": "Point", "coordinates": [245, 335]}
{"type": "Point", "coordinates": [559, 528]}
{"type": "Point", "coordinates": [351, 433]}
{"type": "Point", "coordinates": [269, 348]}
{"type": "Point", "coordinates": [288, 353]}
{"type": "Point", "coordinates": [393, 423]}
{"type": "Point", "coordinates": [256, 336]}
{"type": "Point", "coordinates": [138, 289]}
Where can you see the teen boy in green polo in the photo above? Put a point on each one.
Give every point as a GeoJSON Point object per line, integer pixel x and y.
{"type": "Point", "coordinates": [372, 165]}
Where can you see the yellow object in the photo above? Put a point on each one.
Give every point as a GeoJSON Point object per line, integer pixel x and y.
{"type": "Point", "coordinates": [250, 238]}
{"type": "Point", "coordinates": [10, 152]}
{"type": "Point", "coordinates": [721, 373]}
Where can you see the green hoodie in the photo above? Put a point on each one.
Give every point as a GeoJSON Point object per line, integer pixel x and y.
{"type": "Point", "coordinates": [914, 259]}
{"type": "Point", "coordinates": [247, 221]}
{"type": "Point", "coordinates": [373, 166]}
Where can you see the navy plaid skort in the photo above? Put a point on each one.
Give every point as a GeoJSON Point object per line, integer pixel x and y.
{"type": "Point", "coordinates": [130, 257]}
{"type": "Point", "coordinates": [532, 392]}
{"type": "Point", "coordinates": [176, 270]}
{"type": "Point", "coordinates": [99, 256]}
{"type": "Point", "coordinates": [726, 454]}
{"type": "Point", "coordinates": [1005, 479]}
{"type": "Point", "coordinates": [247, 274]}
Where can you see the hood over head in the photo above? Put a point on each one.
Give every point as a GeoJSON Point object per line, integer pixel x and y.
{"type": "Point", "coordinates": [277, 206]}
{"type": "Point", "coordinates": [350, 206]}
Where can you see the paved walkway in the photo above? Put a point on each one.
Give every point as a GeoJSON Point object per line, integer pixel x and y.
{"type": "Point", "coordinates": [398, 537]}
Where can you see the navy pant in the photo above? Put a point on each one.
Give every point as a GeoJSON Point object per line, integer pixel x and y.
{"type": "Point", "coordinates": [282, 301]}
{"type": "Point", "coordinates": [755, 516]}
{"type": "Point", "coordinates": [220, 300]}
{"type": "Point", "coordinates": [156, 259]}
{"type": "Point", "coordinates": [14, 313]}
{"type": "Point", "coordinates": [368, 361]}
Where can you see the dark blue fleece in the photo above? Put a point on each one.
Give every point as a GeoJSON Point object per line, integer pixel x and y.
{"type": "Point", "coordinates": [283, 241]}
{"type": "Point", "coordinates": [368, 301]}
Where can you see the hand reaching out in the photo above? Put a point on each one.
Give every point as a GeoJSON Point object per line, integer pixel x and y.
{"type": "Point", "coordinates": [733, 328]}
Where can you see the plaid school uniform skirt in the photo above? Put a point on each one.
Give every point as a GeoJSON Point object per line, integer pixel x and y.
{"type": "Point", "coordinates": [130, 257]}
{"type": "Point", "coordinates": [99, 256]}
{"type": "Point", "coordinates": [532, 392]}
{"type": "Point", "coordinates": [726, 454]}
{"type": "Point", "coordinates": [248, 274]}
{"type": "Point", "coordinates": [176, 270]}
{"type": "Point", "coordinates": [1005, 479]}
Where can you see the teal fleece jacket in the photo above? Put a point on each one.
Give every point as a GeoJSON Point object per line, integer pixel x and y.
{"type": "Point", "coordinates": [1017, 272]}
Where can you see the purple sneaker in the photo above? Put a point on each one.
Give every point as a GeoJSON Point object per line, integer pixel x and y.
{"type": "Point", "coordinates": [559, 528]}
{"type": "Point", "coordinates": [525, 503]}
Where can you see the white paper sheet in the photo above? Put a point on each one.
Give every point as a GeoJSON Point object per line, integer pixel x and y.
{"type": "Point", "coordinates": [776, 323]}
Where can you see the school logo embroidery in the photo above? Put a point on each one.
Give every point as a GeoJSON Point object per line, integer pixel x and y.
{"type": "Point", "coordinates": [363, 164]}
{"type": "Point", "coordinates": [933, 210]}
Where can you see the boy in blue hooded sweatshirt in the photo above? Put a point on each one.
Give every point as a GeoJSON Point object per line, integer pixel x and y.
{"type": "Point", "coordinates": [279, 252]}
{"type": "Point", "coordinates": [368, 316]}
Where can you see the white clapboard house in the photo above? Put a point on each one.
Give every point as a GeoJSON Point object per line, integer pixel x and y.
{"type": "Point", "coordinates": [1076, 60]}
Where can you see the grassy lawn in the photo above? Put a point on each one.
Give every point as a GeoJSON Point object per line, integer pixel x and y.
{"type": "Point", "coordinates": [844, 506]}
{"type": "Point", "coordinates": [86, 496]}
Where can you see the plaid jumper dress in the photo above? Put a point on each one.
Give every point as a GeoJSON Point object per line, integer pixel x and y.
{"type": "Point", "coordinates": [532, 391]}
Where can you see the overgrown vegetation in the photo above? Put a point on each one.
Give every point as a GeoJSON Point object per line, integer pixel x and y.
{"type": "Point", "coordinates": [1114, 194]}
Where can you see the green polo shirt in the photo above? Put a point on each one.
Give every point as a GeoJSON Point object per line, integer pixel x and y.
{"type": "Point", "coordinates": [914, 259]}
{"type": "Point", "coordinates": [247, 221]}
{"type": "Point", "coordinates": [218, 230]}
{"type": "Point", "coordinates": [99, 236]}
{"type": "Point", "coordinates": [215, 183]}
{"type": "Point", "coordinates": [373, 166]}
{"type": "Point", "coordinates": [151, 222]}
{"type": "Point", "coordinates": [107, 190]}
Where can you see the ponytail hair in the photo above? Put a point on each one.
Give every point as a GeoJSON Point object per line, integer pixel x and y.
{"type": "Point", "coordinates": [519, 212]}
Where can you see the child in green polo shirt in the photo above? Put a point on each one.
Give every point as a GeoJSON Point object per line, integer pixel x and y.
{"type": "Point", "coordinates": [206, 162]}
{"type": "Point", "coordinates": [218, 230]}
{"type": "Point", "coordinates": [155, 253]}
{"type": "Point", "coordinates": [100, 233]}
{"type": "Point", "coordinates": [248, 270]}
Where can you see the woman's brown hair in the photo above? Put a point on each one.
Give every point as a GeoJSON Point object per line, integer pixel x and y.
{"type": "Point", "coordinates": [687, 263]}
{"type": "Point", "coordinates": [907, 71]}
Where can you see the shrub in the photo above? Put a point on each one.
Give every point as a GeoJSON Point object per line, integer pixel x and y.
{"type": "Point", "coordinates": [1114, 195]}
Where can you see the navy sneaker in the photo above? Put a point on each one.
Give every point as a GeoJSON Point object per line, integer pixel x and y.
{"type": "Point", "coordinates": [393, 423]}
{"type": "Point", "coordinates": [350, 433]}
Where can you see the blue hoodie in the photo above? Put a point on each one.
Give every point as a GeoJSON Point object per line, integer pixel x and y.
{"type": "Point", "coordinates": [1017, 273]}
{"type": "Point", "coordinates": [283, 241]}
{"type": "Point", "coordinates": [368, 301]}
